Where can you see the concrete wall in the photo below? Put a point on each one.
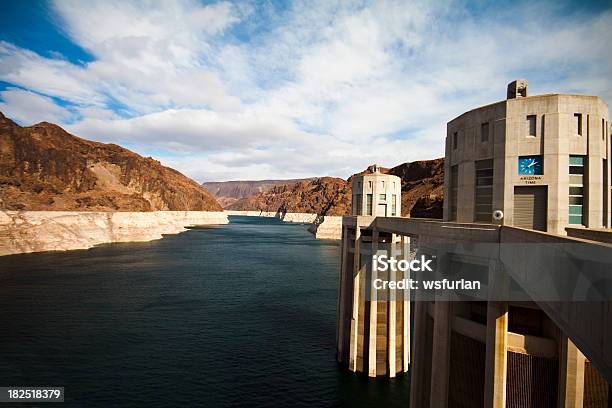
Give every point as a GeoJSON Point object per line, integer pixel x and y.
{"type": "Point", "coordinates": [329, 228]}
{"type": "Point", "coordinates": [34, 231]}
{"type": "Point", "coordinates": [552, 338]}
{"type": "Point", "coordinates": [555, 139]}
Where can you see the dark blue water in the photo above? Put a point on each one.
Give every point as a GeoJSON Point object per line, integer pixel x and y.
{"type": "Point", "coordinates": [238, 315]}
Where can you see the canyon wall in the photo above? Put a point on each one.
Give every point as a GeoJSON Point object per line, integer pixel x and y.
{"type": "Point", "coordinates": [35, 231]}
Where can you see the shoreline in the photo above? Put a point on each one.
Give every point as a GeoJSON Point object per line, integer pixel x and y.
{"type": "Point", "coordinates": [328, 227]}
{"type": "Point", "coordinates": [37, 231]}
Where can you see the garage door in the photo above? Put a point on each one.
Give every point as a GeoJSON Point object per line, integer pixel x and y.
{"type": "Point", "coordinates": [530, 207]}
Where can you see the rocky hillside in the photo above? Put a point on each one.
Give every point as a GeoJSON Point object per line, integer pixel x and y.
{"type": "Point", "coordinates": [228, 192]}
{"type": "Point", "coordinates": [422, 188]}
{"type": "Point", "coordinates": [422, 193]}
{"type": "Point", "coordinates": [42, 167]}
{"type": "Point", "coordinates": [325, 195]}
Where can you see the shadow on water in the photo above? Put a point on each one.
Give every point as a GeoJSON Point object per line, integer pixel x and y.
{"type": "Point", "coordinates": [238, 315]}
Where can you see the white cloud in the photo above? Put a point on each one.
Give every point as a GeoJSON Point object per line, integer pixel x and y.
{"type": "Point", "coordinates": [29, 108]}
{"type": "Point", "coordinates": [246, 90]}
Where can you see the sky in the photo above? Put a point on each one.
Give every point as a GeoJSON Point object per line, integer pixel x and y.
{"type": "Point", "coordinates": [254, 90]}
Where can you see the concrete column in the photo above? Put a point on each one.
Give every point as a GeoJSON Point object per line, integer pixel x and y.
{"type": "Point", "coordinates": [496, 360]}
{"type": "Point", "coordinates": [373, 310]}
{"type": "Point", "coordinates": [342, 297]}
{"type": "Point", "coordinates": [440, 360]}
{"type": "Point", "coordinates": [391, 318]}
{"type": "Point", "coordinates": [419, 360]}
{"type": "Point", "coordinates": [405, 242]}
{"type": "Point", "coordinates": [571, 375]}
{"type": "Point", "coordinates": [357, 274]}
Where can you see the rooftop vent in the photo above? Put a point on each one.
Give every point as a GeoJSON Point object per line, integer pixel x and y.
{"type": "Point", "coordinates": [517, 89]}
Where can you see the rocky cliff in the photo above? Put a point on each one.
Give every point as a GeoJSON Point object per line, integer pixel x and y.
{"type": "Point", "coordinates": [422, 193]}
{"type": "Point", "coordinates": [228, 192]}
{"type": "Point", "coordinates": [325, 195]}
{"type": "Point", "coordinates": [42, 167]}
{"type": "Point", "coordinates": [422, 188]}
{"type": "Point", "coordinates": [35, 231]}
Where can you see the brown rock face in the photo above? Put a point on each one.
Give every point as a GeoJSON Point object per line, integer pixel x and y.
{"type": "Point", "coordinates": [422, 188]}
{"type": "Point", "coordinates": [422, 193]}
{"type": "Point", "coordinates": [325, 196]}
{"type": "Point", "coordinates": [228, 192]}
{"type": "Point", "coordinates": [42, 167]}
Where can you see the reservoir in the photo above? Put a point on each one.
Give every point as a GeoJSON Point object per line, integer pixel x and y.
{"type": "Point", "coordinates": [242, 314]}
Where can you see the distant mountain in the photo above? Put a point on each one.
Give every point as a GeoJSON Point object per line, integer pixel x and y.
{"type": "Point", "coordinates": [422, 193]}
{"type": "Point", "coordinates": [325, 195]}
{"type": "Point", "coordinates": [228, 192]}
{"type": "Point", "coordinates": [43, 167]}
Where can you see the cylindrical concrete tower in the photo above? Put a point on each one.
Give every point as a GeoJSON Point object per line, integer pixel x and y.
{"type": "Point", "coordinates": [377, 194]}
{"type": "Point", "coordinates": [373, 325]}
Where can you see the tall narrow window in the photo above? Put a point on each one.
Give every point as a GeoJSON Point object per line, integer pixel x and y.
{"type": "Point", "coordinates": [393, 205]}
{"type": "Point", "coordinates": [531, 125]}
{"type": "Point", "coordinates": [578, 124]}
{"type": "Point", "coordinates": [454, 188]}
{"type": "Point", "coordinates": [484, 132]}
{"type": "Point", "coordinates": [483, 206]}
{"type": "Point", "coordinates": [603, 129]}
{"type": "Point", "coordinates": [357, 204]}
{"type": "Point", "coordinates": [455, 140]}
{"type": "Point", "coordinates": [369, 204]}
{"type": "Point", "coordinates": [576, 190]}
{"type": "Point", "coordinates": [370, 185]}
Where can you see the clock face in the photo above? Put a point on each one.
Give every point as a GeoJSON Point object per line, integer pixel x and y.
{"type": "Point", "coordinates": [531, 165]}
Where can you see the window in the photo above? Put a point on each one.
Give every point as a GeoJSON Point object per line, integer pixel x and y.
{"type": "Point", "coordinates": [576, 190]}
{"type": "Point", "coordinates": [455, 140]}
{"type": "Point", "coordinates": [382, 197]}
{"type": "Point", "coordinates": [531, 125]}
{"type": "Point", "coordinates": [393, 205]}
{"type": "Point", "coordinates": [454, 181]}
{"type": "Point", "coordinates": [603, 129]}
{"type": "Point", "coordinates": [357, 204]}
{"type": "Point", "coordinates": [370, 185]}
{"type": "Point", "coordinates": [359, 185]}
{"type": "Point", "coordinates": [369, 204]}
{"type": "Point", "coordinates": [483, 203]}
{"type": "Point", "coordinates": [484, 132]}
{"type": "Point", "coordinates": [578, 124]}
{"type": "Point", "coordinates": [382, 183]}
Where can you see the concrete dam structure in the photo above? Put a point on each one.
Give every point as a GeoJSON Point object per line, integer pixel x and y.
{"type": "Point", "coordinates": [526, 216]}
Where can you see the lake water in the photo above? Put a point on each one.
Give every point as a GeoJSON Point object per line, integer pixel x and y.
{"type": "Point", "coordinates": [238, 315]}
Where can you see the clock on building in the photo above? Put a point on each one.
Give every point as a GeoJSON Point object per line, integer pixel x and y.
{"type": "Point", "coordinates": [531, 165]}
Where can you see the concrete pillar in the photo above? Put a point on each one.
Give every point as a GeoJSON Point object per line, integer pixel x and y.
{"type": "Point", "coordinates": [571, 375]}
{"type": "Point", "coordinates": [440, 360]}
{"type": "Point", "coordinates": [419, 360]}
{"type": "Point", "coordinates": [357, 275]}
{"type": "Point", "coordinates": [373, 310]}
{"type": "Point", "coordinates": [392, 317]}
{"type": "Point", "coordinates": [342, 297]}
{"type": "Point", "coordinates": [496, 360]}
{"type": "Point", "coordinates": [405, 242]}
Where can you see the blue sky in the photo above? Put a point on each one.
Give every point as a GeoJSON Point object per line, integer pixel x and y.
{"type": "Point", "coordinates": [252, 90]}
